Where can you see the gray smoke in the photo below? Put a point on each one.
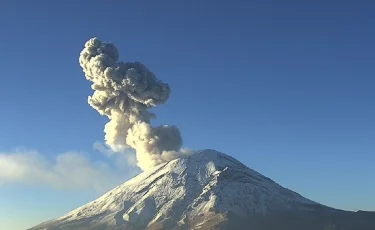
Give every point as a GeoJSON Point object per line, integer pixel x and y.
{"type": "Point", "coordinates": [124, 91]}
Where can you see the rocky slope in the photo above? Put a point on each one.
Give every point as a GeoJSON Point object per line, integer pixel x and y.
{"type": "Point", "coordinates": [208, 190]}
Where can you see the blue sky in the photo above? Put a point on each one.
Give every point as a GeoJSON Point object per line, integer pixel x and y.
{"type": "Point", "coordinates": [286, 87]}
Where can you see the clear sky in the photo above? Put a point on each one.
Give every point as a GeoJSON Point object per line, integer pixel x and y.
{"type": "Point", "coordinates": [286, 87]}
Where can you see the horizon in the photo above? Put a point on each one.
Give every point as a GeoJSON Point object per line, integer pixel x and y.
{"type": "Point", "coordinates": [285, 88]}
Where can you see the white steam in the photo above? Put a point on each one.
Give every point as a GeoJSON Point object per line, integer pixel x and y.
{"type": "Point", "coordinates": [123, 91]}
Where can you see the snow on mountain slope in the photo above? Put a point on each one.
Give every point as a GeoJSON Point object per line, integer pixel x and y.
{"type": "Point", "coordinates": [182, 190]}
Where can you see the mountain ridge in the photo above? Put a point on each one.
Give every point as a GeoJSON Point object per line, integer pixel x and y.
{"type": "Point", "coordinates": [207, 190]}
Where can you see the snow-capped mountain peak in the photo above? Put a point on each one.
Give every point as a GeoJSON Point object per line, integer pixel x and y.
{"type": "Point", "coordinates": [186, 192]}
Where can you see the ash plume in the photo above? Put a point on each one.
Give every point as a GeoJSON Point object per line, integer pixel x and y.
{"type": "Point", "coordinates": [124, 91]}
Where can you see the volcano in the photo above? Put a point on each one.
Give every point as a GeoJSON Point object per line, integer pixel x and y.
{"type": "Point", "coordinates": [207, 190]}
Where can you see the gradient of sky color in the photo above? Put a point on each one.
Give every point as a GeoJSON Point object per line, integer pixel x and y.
{"type": "Point", "coordinates": [286, 87]}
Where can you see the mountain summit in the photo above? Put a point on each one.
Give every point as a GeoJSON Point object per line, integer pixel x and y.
{"type": "Point", "coordinates": [207, 190]}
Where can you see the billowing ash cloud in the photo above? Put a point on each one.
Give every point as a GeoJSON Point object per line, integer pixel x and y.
{"type": "Point", "coordinates": [124, 91]}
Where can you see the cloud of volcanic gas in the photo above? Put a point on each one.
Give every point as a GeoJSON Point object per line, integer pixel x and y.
{"type": "Point", "coordinates": [124, 91]}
